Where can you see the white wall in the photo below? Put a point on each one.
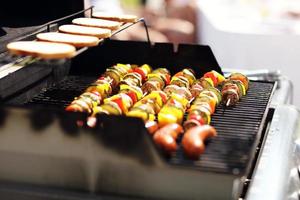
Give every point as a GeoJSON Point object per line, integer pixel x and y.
{"type": "Point", "coordinates": [254, 51]}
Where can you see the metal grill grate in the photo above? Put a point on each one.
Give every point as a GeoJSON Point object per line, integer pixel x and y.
{"type": "Point", "coordinates": [237, 127]}
{"type": "Point", "coordinates": [63, 93]}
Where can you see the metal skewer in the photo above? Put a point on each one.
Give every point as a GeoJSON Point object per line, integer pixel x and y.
{"type": "Point", "coordinates": [228, 102]}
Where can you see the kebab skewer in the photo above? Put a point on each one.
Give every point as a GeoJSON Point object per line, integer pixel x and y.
{"type": "Point", "coordinates": [204, 97]}
{"type": "Point", "coordinates": [153, 100]}
{"type": "Point", "coordinates": [234, 88]}
{"type": "Point", "coordinates": [99, 90]}
{"type": "Point", "coordinates": [171, 115]}
{"type": "Point", "coordinates": [129, 93]}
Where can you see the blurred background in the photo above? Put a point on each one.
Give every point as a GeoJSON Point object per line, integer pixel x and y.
{"type": "Point", "coordinates": [243, 34]}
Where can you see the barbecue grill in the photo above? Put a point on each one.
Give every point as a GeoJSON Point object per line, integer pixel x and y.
{"type": "Point", "coordinates": [46, 154]}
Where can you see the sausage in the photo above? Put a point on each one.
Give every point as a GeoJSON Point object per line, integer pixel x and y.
{"type": "Point", "coordinates": [166, 137]}
{"type": "Point", "coordinates": [151, 126]}
{"type": "Point", "coordinates": [193, 140]}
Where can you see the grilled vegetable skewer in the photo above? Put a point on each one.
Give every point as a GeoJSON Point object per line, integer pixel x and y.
{"type": "Point", "coordinates": [129, 93]}
{"type": "Point", "coordinates": [156, 80]}
{"type": "Point", "coordinates": [234, 88]}
{"type": "Point", "coordinates": [99, 90]}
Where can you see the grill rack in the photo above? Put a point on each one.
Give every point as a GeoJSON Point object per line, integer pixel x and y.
{"type": "Point", "coordinates": [53, 26]}
{"type": "Point", "coordinates": [238, 127]}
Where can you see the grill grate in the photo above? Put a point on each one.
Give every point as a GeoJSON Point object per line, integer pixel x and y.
{"type": "Point", "coordinates": [63, 93]}
{"type": "Point", "coordinates": [237, 129]}
{"type": "Point", "coordinates": [237, 126]}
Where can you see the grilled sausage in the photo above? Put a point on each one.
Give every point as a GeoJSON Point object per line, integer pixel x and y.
{"type": "Point", "coordinates": [151, 126]}
{"type": "Point", "coordinates": [193, 140]}
{"type": "Point", "coordinates": [166, 137]}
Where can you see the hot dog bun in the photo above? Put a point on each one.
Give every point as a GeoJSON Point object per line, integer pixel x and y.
{"type": "Point", "coordinates": [75, 40]}
{"type": "Point", "coordinates": [99, 23]}
{"type": "Point", "coordinates": [84, 30]}
{"type": "Point", "coordinates": [46, 50]}
{"type": "Point", "coordinates": [115, 17]}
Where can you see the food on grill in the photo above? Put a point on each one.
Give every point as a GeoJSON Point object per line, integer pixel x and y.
{"type": "Point", "coordinates": [216, 77]}
{"type": "Point", "coordinates": [206, 82]}
{"type": "Point", "coordinates": [116, 73]}
{"type": "Point", "coordinates": [161, 107]}
{"type": "Point", "coordinates": [115, 17]}
{"type": "Point", "coordinates": [99, 23]}
{"type": "Point", "coordinates": [134, 92]}
{"type": "Point", "coordinates": [196, 88]}
{"type": "Point", "coordinates": [240, 77]}
{"type": "Point", "coordinates": [99, 90]}
{"type": "Point", "coordinates": [184, 78]}
{"type": "Point", "coordinates": [75, 40]}
{"type": "Point", "coordinates": [197, 117]}
{"type": "Point", "coordinates": [46, 50]}
{"type": "Point", "coordinates": [80, 105]}
{"type": "Point", "coordinates": [194, 138]}
{"type": "Point", "coordinates": [102, 86]}
{"type": "Point", "coordinates": [148, 106]}
{"type": "Point", "coordinates": [183, 91]}
{"type": "Point", "coordinates": [179, 97]}
{"type": "Point", "coordinates": [145, 112]}
{"type": "Point", "coordinates": [129, 92]}
{"type": "Point", "coordinates": [202, 108]}
{"type": "Point", "coordinates": [230, 93]}
{"type": "Point", "coordinates": [156, 80]}
{"type": "Point", "coordinates": [136, 76]}
{"type": "Point", "coordinates": [173, 111]}
{"type": "Point", "coordinates": [85, 102]}
{"type": "Point", "coordinates": [180, 81]}
{"type": "Point", "coordinates": [123, 101]}
{"type": "Point", "coordinates": [234, 88]}
{"type": "Point", "coordinates": [84, 30]}
{"type": "Point", "coordinates": [166, 136]}
{"type": "Point", "coordinates": [143, 70]}
{"type": "Point", "coordinates": [111, 108]}
{"type": "Point", "coordinates": [151, 126]}
{"type": "Point", "coordinates": [214, 93]}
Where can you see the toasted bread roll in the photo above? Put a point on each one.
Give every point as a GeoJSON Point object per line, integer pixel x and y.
{"type": "Point", "coordinates": [115, 17]}
{"type": "Point", "coordinates": [46, 50]}
{"type": "Point", "coordinates": [99, 23]}
{"type": "Point", "coordinates": [75, 40]}
{"type": "Point", "coordinates": [84, 30]}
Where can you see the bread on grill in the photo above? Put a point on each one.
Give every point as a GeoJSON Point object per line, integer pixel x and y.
{"type": "Point", "coordinates": [75, 40]}
{"type": "Point", "coordinates": [46, 50]}
{"type": "Point", "coordinates": [100, 23]}
{"type": "Point", "coordinates": [115, 17]}
{"type": "Point", "coordinates": [84, 30]}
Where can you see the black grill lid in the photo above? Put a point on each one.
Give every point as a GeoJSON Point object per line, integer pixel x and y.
{"type": "Point", "coordinates": [34, 13]}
